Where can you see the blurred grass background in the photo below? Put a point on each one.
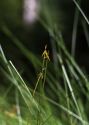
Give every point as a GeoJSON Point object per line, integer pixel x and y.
{"type": "Point", "coordinates": [63, 26]}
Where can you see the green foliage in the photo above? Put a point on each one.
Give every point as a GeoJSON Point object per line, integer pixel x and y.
{"type": "Point", "coordinates": [61, 93]}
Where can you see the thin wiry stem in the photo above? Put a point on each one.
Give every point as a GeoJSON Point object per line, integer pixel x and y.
{"type": "Point", "coordinates": [18, 108]}
{"type": "Point", "coordinates": [69, 85]}
{"type": "Point", "coordinates": [75, 25]}
{"type": "Point", "coordinates": [67, 101]}
{"type": "Point", "coordinates": [86, 32]}
{"type": "Point", "coordinates": [83, 14]}
{"type": "Point", "coordinates": [3, 56]}
{"type": "Point", "coordinates": [44, 72]}
{"type": "Point", "coordinates": [39, 78]}
{"type": "Point", "coordinates": [64, 109]}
